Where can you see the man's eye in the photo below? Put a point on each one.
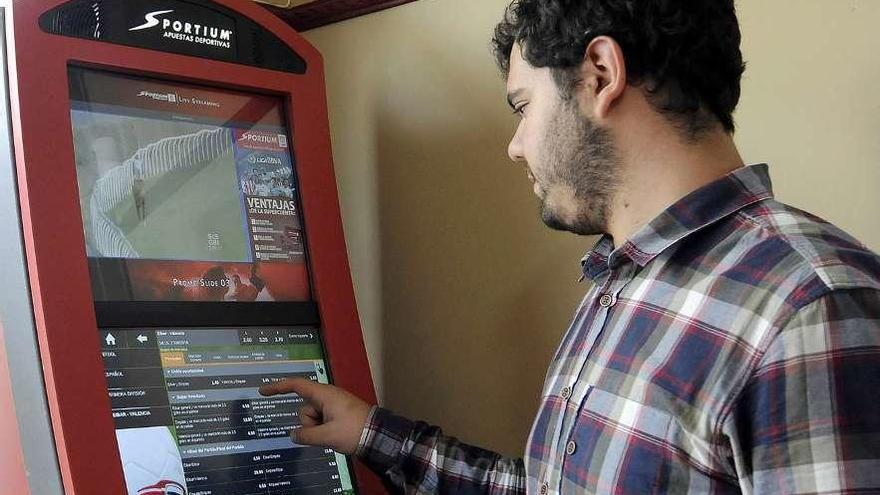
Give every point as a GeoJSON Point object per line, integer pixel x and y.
{"type": "Point", "coordinates": [520, 110]}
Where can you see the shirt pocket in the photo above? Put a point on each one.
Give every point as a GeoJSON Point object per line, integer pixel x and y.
{"type": "Point", "coordinates": [617, 445]}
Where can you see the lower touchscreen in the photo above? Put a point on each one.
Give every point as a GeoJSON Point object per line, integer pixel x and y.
{"type": "Point", "coordinates": [190, 421]}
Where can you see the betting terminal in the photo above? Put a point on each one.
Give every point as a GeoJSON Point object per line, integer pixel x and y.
{"type": "Point", "coordinates": [170, 240]}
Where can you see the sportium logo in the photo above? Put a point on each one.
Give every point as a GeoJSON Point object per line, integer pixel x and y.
{"type": "Point", "coordinates": [186, 31]}
{"type": "Point", "coordinates": [260, 141]}
{"type": "Point", "coordinates": [166, 97]}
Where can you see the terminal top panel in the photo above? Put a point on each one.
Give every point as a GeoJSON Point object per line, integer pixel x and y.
{"type": "Point", "coordinates": [196, 28]}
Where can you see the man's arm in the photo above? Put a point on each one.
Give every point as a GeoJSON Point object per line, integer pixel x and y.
{"type": "Point", "coordinates": [412, 456]}
{"type": "Point", "coordinates": [808, 421]}
{"type": "Point", "coordinates": [418, 458]}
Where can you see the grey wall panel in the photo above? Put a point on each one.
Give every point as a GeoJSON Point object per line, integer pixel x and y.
{"type": "Point", "coordinates": [16, 314]}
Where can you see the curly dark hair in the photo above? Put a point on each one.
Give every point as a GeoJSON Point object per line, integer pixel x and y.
{"type": "Point", "coordinates": [684, 53]}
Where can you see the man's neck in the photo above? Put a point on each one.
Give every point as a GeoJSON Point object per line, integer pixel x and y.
{"type": "Point", "coordinates": [662, 171]}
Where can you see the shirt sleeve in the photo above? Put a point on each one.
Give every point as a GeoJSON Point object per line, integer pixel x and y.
{"type": "Point", "coordinates": [418, 459]}
{"type": "Point", "coordinates": [808, 419]}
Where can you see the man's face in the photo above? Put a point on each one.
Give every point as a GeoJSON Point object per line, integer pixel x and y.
{"type": "Point", "coordinates": [569, 158]}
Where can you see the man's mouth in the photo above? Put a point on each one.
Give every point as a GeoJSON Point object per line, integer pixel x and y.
{"type": "Point", "coordinates": [535, 185]}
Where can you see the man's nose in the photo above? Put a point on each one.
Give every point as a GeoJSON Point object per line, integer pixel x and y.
{"type": "Point", "coordinates": [514, 149]}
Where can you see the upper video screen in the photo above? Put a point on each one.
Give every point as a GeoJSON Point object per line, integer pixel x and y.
{"type": "Point", "coordinates": [188, 193]}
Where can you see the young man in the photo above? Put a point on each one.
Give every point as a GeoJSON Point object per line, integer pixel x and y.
{"type": "Point", "coordinates": [729, 343]}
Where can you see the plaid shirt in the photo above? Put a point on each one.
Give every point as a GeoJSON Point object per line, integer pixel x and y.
{"type": "Point", "coordinates": [730, 346]}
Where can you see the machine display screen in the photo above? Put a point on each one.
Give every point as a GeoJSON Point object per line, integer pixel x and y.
{"type": "Point", "coordinates": [188, 193]}
{"type": "Point", "coordinates": [190, 421]}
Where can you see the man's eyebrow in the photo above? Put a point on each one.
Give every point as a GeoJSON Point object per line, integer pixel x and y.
{"type": "Point", "coordinates": [513, 96]}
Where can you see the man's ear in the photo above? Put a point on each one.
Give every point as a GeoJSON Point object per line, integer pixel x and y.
{"type": "Point", "coordinates": [603, 76]}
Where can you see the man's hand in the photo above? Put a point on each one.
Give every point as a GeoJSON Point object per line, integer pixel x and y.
{"type": "Point", "coordinates": [331, 417]}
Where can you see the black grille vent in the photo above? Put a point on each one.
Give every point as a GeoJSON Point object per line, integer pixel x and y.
{"type": "Point", "coordinates": [77, 19]}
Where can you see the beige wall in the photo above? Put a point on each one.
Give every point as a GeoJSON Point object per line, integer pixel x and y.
{"type": "Point", "coordinates": [463, 293]}
{"type": "Point", "coordinates": [811, 106]}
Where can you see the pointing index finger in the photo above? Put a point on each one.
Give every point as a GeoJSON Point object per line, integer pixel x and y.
{"type": "Point", "coordinates": [306, 389]}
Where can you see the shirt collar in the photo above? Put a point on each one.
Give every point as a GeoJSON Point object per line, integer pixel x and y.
{"type": "Point", "coordinates": [700, 208]}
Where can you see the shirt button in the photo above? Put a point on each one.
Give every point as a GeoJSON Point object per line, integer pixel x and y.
{"type": "Point", "coordinates": [566, 392]}
{"type": "Point", "coordinates": [570, 448]}
{"type": "Point", "coordinates": [606, 301]}
{"type": "Point", "coordinates": [544, 488]}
